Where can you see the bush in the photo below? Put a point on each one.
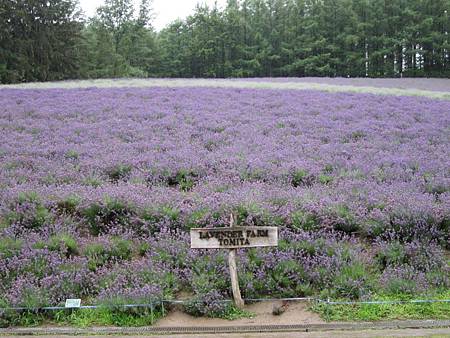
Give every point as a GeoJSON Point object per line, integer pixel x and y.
{"type": "Point", "coordinates": [101, 216]}
{"type": "Point", "coordinates": [71, 154]}
{"type": "Point", "coordinates": [10, 247]}
{"type": "Point", "coordinates": [69, 204]}
{"type": "Point", "coordinates": [391, 253]}
{"type": "Point", "coordinates": [97, 255]}
{"type": "Point", "coordinates": [403, 279]}
{"type": "Point", "coordinates": [303, 220]}
{"type": "Point", "coordinates": [121, 248]}
{"type": "Point", "coordinates": [343, 220]}
{"type": "Point", "coordinates": [210, 304]}
{"type": "Point", "coordinates": [301, 177]}
{"type": "Point", "coordinates": [119, 172]}
{"type": "Point", "coordinates": [64, 243]}
{"type": "Point", "coordinates": [28, 211]}
{"type": "Point", "coordinates": [352, 282]}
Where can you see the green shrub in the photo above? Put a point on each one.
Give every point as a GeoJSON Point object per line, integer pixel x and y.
{"type": "Point", "coordinates": [10, 247]}
{"type": "Point", "coordinates": [97, 255]}
{"type": "Point", "coordinates": [300, 177]}
{"type": "Point", "coordinates": [143, 248]}
{"type": "Point", "coordinates": [33, 216]}
{"type": "Point", "coordinates": [281, 279]}
{"type": "Point", "coordinates": [68, 204]}
{"type": "Point", "coordinates": [64, 243]}
{"type": "Point", "coordinates": [325, 179]}
{"type": "Point", "coordinates": [183, 178]}
{"type": "Point", "coordinates": [121, 248]}
{"type": "Point", "coordinates": [106, 316]}
{"type": "Point", "coordinates": [170, 213]}
{"type": "Point", "coordinates": [344, 220]}
{"type": "Point", "coordinates": [392, 254]}
{"type": "Point", "coordinates": [303, 220]}
{"type": "Point", "coordinates": [71, 154]}
{"type": "Point", "coordinates": [92, 181]}
{"type": "Point", "coordinates": [110, 211]}
{"type": "Point", "coordinates": [197, 218]}
{"type": "Point", "coordinates": [119, 172]}
{"type": "Point", "coordinates": [352, 281]}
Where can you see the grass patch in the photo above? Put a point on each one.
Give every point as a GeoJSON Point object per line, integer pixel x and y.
{"type": "Point", "coordinates": [233, 313]}
{"type": "Point", "coordinates": [106, 316]}
{"type": "Point", "coordinates": [373, 312]}
{"type": "Point", "coordinates": [84, 317]}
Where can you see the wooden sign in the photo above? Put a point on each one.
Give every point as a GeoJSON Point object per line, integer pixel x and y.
{"type": "Point", "coordinates": [233, 238]}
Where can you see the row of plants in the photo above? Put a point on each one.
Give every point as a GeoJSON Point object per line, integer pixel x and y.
{"type": "Point", "coordinates": [102, 258]}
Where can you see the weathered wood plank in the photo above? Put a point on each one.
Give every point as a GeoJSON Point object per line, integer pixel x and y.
{"type": "Point", "coordinates": [234, 237]}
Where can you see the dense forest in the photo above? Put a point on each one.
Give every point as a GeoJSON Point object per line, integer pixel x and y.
{"type": "Point", "coordinates": [43, 40]}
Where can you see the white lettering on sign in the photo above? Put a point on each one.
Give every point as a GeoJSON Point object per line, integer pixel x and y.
{"type": "Point", "coordinates": [234, 237]}
{"type": "Point", "coordinates": [73, 303]}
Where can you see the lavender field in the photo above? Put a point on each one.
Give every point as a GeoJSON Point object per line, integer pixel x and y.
{"type": "Point", "coordinates": [99, 187]}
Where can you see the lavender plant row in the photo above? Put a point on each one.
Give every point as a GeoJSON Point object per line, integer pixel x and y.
{"type": "Point", "coordinates": [99, 188]}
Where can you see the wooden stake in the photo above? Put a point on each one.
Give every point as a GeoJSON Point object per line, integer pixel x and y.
{"type": "Point", "coordinates": [238, 301]}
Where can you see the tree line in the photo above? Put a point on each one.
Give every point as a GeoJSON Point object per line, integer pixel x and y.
{"type": "Point", "coordinates": [43, 40]}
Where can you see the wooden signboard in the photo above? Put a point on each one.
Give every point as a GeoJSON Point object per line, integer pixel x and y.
{"type": "Point", "coordinates": [232, 238]}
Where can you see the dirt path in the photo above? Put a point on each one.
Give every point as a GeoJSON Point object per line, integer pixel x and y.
{"type": "Point", "coordinates": [296, 313]}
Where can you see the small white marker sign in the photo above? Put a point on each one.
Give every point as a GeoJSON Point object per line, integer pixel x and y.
{"type": "Point", "coordinates": [73, 303]}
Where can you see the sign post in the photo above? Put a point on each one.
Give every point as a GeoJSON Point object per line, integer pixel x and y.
{"type": "Point", "coordinates": [232, 238]}
{"type": "Point", "coordinates": [233, 273]}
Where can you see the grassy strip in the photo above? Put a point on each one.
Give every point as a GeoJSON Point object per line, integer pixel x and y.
{"type": "Point", "coordinates": [117, 83]}
{"type": "Point", "coordinates": [373, 312]}
{"type": "Point", "coordinates": [83, 317]}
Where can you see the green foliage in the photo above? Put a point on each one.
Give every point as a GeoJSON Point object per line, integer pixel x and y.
{"type": "Point", "coordinates": [246, 39]}
{"type": "Point", "coordinates": [197, 218]}
{"type": "Point", "coordinates": [69, 204]}
{"type": "Point", "coordinates": [252, 214]}
{"type": "Point", "coordinates": [280, 279]}
{"type": "Point", "coordinates": [64, 243]}
{"type": "Point", "coordinates": [233, 313]}
{"type": "Point", "coordinates": [121, 248]}
{"type": "Point", "coordinates": [373, 312]}
{"type": "Point", "coordinates": [393, 254]}
{"type": "Point", "coordinates": [325, 179]}
{"type": "Point", "coordinates": [304, 220]}
{"type": "Point", "coordinates": [143, 248]}
{"type": "Point", "coordinates": [111, 211]}
{"type": "Point", "coordinates": [352, 282]}
{"type": "Point", "coordinates": [92, 181]}
{"type": "Point", "coordinates": [108, 316]}
{"type": "Point", "coordinates": [34, 216]}
{"type": "Point", "coordinates": [152, 216]}
{"type": "Point", "coordinates": [9, 247]}
{"type": "Point", "coordinates": [71, 155]}
{"type": "Point", "coordinates": [345, 220]}
{"type": "Point", "coordinates": [299, 178]}
{"type": "Point", "coordinates": [119, 172]}
{"type": "Point", "coordinates": [34, 50]}
{"type": "Point", "coordinates": [97, 254]}
{"type": "Point", "coordinates": [184, 179]}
